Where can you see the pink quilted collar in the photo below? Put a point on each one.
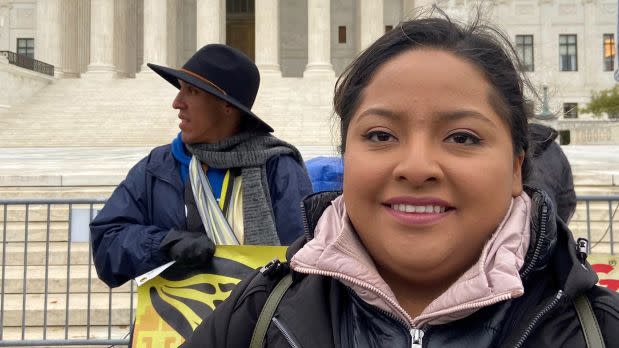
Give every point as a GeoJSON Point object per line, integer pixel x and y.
{"type": "Point", "coordinates": [336, 251]}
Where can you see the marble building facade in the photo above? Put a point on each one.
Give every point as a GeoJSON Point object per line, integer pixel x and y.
{"type": "Point", "coordinates": [570, 45]}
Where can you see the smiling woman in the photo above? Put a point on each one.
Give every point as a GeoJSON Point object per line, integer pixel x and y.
{"type": "Point", "coordinates": [435, 241]}
{"type": "Point", "coordinates": [425, 133]}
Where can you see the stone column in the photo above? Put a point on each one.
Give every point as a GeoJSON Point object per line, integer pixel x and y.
{"type": "Point", "coordinates": [101, 38]}
{"type": "Point", "coordinates": [371, 23]}
{"type": "Point", "coordinates": [155, 34]}
{"type": "Point", "coordinates": [5, 25]}
{"type": "Point", "coordinates": [211, 22]}
{"type": "Point", "coordinates": [125, 45]}
{"type": "Point", "coordinates": [267, 37]}
{"type": "Point", "coordinates": [174, 45]}
{"type": "Point", "coordinates": [319, 39]}
{"type": "Point", "coordinates": [83, 35]}
{"type": "Point", "coordinates": [49, 29]}
{"type": "Point", "coordinates": [71, 30]}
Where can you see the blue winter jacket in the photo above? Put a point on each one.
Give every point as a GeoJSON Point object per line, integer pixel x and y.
{"type": "Point", "coordinates": [127, 232]}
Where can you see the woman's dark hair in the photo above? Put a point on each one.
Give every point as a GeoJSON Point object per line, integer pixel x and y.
{"type": "Point", "coordinates": [480, 44]}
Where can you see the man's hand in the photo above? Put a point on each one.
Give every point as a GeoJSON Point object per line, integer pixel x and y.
{"type": "Point", "coordinates": [193, 248]}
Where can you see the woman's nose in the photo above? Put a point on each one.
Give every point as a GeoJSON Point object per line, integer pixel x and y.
{"type": "Point", "coordinates": [418, 164]}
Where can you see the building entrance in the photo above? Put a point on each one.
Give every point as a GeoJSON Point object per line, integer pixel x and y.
{"type": "Point", "coordinates": [240, 26]}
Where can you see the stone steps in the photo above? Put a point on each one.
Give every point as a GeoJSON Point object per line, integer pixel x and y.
{"type": "Point", "coordinates": [115, 111]}
{"type": "Point", "coordinates": [597, 228]}
{"type": "Point", "coordinates": [596, 190]}
{"type": "Point", "coordinates": [81, 307]}
{"type": "Point", "coordinates": [81, 281]}
{"type": "Point", "coordinates": [36, 212]}
{"type": "Point", "coordinates": [57, 253]}
{"type": "Point", "coordinates": [37, 231]}
{"type": "Point", "coordinates": [76, 332]}
{"type": "Point", "coordinates": [55, 192]}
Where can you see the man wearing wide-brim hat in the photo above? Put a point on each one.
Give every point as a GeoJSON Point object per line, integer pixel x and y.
{"type": "Point", "coordinates": [224, 174]}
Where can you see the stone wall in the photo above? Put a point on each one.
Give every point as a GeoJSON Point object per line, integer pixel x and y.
{"type": "Point", "coordinates": [18, 84]}
{"type": "Point", "coordinates": [591, 132]}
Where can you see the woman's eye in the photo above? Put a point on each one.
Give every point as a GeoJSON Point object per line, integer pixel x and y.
{"type": "Point", "coordinates": [463, 138]}
{"type": "Point", "coordinates": [379, 136]}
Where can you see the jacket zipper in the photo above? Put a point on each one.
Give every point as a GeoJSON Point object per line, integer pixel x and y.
{"type": "Point", "coordinates": [305, 228]}
{"type": "Point", "coordinates": [416, 338]}
{"type": "Point", "coordinates": [416, 334]}
{"type": "Point", "coordinates": [538, 317]}
{"type": "Point", "coordinates": [538, 247]}
{"type": "Point", "coordinates": [285, 332]}
{"type": "Point", "coordinates": [525, 273]}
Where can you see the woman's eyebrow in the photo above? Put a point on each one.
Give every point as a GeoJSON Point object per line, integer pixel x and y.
{"type": "Point", "coordinates": [452, 116]}
{"type": "Point", "coordinates": [378, 111]}
{"type": "Point", "coordinates": [441, 117]}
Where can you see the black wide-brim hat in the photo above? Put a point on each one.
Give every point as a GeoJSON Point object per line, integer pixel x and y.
{"type": "Point", "coordinates": [222, 71]}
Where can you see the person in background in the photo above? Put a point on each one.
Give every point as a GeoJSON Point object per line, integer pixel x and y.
{"type": "Point", "coordinates": [551, 171]}
{"type": "Point", "coordinates": [435, 241]}
{"type": "Point", "coordinates": [224, 155]}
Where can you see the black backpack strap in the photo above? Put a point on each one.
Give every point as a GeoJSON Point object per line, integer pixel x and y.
{"type": "Point", "coordinates": [264, 320]}
{"type": "Point", "coordinates": [588, 322]}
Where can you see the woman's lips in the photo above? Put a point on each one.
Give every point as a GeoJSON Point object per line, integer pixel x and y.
{"type": "Point", "coordinates": [417, 217]}
{"type": "Point", "coordinates": [418, 211]}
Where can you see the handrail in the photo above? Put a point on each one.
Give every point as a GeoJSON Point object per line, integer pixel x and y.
{"type": "Point", "coordinates": [598, 198]}
{"type": "Point", "coordinates": [28, 63]}
{"type": "Point", "coordinates": [18, 201]}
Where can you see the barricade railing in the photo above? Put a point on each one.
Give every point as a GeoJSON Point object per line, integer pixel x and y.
{"type": "Point", "coordinates": [596, 219]}
{"type": "Point", "coordinates": [49, 291]}
{"type": "Point", "coordinates": [50, 294]}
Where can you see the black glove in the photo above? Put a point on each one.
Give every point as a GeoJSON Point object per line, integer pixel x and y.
{"type": "Point", "coordinates": [193, 248]}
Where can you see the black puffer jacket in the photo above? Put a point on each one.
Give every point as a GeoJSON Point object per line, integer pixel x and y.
{"type": "Point", "coordinates": [319, 311]}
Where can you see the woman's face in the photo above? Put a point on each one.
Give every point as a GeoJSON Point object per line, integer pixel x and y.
{"type": "Point", "coordinates": [430, 167]}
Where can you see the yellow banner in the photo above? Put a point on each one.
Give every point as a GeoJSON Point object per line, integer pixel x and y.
{"type": "Point", "coordinates": [173, 304]}
{"type": "Point", "coordinates": [607, 269]}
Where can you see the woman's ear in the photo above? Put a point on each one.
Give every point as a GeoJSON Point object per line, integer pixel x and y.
{"type": "Point", "coordinates": [517, 175]}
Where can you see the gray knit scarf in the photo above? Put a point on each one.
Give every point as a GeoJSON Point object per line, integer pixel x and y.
{"type": "Point", "coordinates": [250, 152]}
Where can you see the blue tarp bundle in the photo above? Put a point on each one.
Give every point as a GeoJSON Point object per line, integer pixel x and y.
{"type": "Point", "coordinates": [326, 173]}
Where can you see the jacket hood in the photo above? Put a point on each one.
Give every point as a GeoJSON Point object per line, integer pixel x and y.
{"type": "Point", "coordinates": [540, 137]}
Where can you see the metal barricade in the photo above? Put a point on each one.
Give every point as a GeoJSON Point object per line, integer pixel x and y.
{"type": "Point", "coordinates": [50, 294]}
{"type": "Point", "coordinates": [595, 218]}
{"type": "Point", "coordinates": [49, 291]}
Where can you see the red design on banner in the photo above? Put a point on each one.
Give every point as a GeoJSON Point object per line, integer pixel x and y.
{"type": "Point", "coordinates": [602, 268]}
{"type": "Point", "coordinates": [612, 284]}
